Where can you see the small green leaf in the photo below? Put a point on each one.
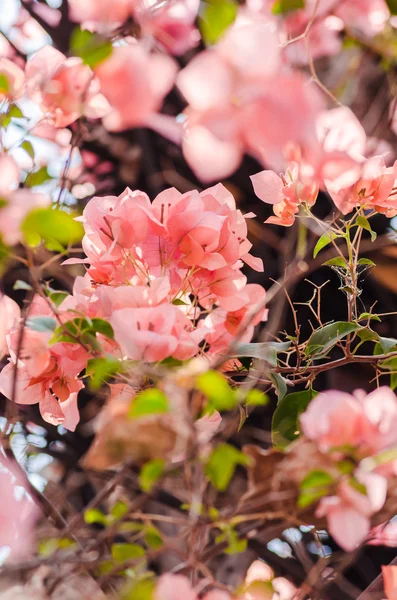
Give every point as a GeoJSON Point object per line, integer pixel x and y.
{"type": "Point", "coordinates": [58, 297]}
{"type": "Point", "coordinates": [119, 510]}
{"type": "Point", "coordinates": [103, 327]}
{"type": "Point", "coordinates": [4, 84]}
{"type": "Point", "coordinates": [38, 177]}
{"type": "Point", "coordinates": [280, 385]}
{"type": "Point", "coordinates": [219, 393]}
{"type": "Point", "coordinates": [150, 474]}
{"type": "Point", "coordinates": [367, 262]}
{"type": "Point", "coordinates": [256, 398]}
{"type": "Point", "coordinates": [324, 240]}
{"type": "Point", "coordinates": [338, 261]}
{"type": "Point", "coordinates": [94, 515]}
{"type": "Point", "coordinates": [222, 463]}
{"type": "Point", "coordinates": [42, 324]}
{"type": "Point", "coordinates": [101, 370]}
{"type": "Point", "coordinates": [263, 350]}
{"type": "Point", "coordinates": [179, 302]}
{"type": "Point", "coordinates": [282, 7]}
{"type": "Point", "coordinates": [139, 590]}
{"type": "Point", "coordinates": [148, 402]}
{"type": "Point", "coordinates": [324, 339]}
{"type": "Point", "coordinates": [22, 285]}
{"type": "Point", "coordinates": [365, 224]}
{"type": "Point", "coordinates": [123, 552]}
{"type": "Point", "coordinates": [15, 112]}
{"type": "Point", "coordinates": [46, 223]}
{"type": "Point", "coordinates": [285, 422]}
{"type": "Point", "coordinates": [215, 18]}
{"type": "Point", "coordinates": [91, 47]}
{"type": "Point", "coordinates": [153, 537]}
{"type": "Point", "coordinates": [28, 147]}
{"type": "Point", "coordinates": [387, 344]}
{"type": "Point", "coordinates": [368, 316]}
{"type": "Point", "coordinates": [316, 478]}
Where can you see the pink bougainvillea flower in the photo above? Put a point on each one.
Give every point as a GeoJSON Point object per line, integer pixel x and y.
{"type": "Point", "coordinates": [65, 88]}
{"type": "Point", "coordinates": [10, 314]}
{"type": "Point", "coordinates": [15, 203]}
{"type": "Point", "coordinates": [18, 512]}
{"type": "Point", "coordinates": [365, 16]}
{"type": "Point", "coordinates": [12, 80]}
{"type": "Point", "coordinates": [367, 422]}
{"type": "Point", "coordinates": [389, 573]}
{"type": "Point", "coordinates": [135, 83]}
{"type": "Point", "coordinates": [260, 584]}
{"type": "Point", "coordinates": [384, 535]}
{"type": "Point", "coordinates": [177, 587]}
{"type": "Point", "coordinates": [99, 14]}
{"type": "Point", "coordinates": [348, 513]}
{"type": "Point", "coordinates": [170, 23]}
{"type": "Point", "coordinates": [286, 193]}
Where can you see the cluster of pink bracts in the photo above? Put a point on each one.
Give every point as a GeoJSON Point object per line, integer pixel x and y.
{"type": "Point", "coordinates": [166, 275]}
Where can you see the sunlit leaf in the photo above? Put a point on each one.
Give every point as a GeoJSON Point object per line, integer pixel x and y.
{"type": "Point", "coordinates": [124, 552]}
{"type": "Point", "coordinates": [151, 473]}
{"type": "Point", "coordinates": [46, 223]}
{"type": "Point", "coordinates": [42, 324]}
{"type": "Point", "coordinates": [365, 224]}
{"type": "Point", "coordinates": [281, 7]}
{"type": "Point", "coordinates": [285, 422]}
{"type": "Point", "coordinates": [215, 17]}
{"type": "Point", "coordinates": [148, 402]}
{"type": "Point", "coordinates": [90, 47]}
{"type": "Point", "coordinates": [38, 177]}
{"type": "Point", "coordinates": [324, 240]}
{"type": "Point", "coordinates": [222, 463]}
{"type": "Point", "coordinates": [101, 370]}
{"type": "Point", "coordinates": [217, 390]}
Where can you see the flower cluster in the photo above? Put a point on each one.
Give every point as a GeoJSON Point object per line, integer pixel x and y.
{"type": "Point", "coordinates": [355, 440]}
{"type": "Point", "coordinates": [167, 277]}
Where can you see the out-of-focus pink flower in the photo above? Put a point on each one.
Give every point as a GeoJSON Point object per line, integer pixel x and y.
{"type": "Point", "coordinates": [135, 83]}
{"type": "Point", "coordinates": [170, 23]}
{"type": "Point", "coordinates": [348, 513]}
{"type": "Point", "coordinates": [12, 80]}
{"type": "Point", "coordinates": [366, 16]}
{"type": "Point", "coordinates": [389, 573]}
{"type": "Point", "coordinates": [65, 88]}
{"type": "Point", "coordinates": [177, 587]}
{"type": "Point", "coordinates": [99, 14]}
{"type": "Point", "coordinates": [10, 314]}
{"type": "Point", "coordinates": [16, 202]}
{"type": "Point", "coordinates": [384, 535]}
{"type": "Point", "coordinates": [367, 422]}
{"type": "Point", "coordinates": [286, 193]}
{"type": "Point", "coordinates": [18, 513]}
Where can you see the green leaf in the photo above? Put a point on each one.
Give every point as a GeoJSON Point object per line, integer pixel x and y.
{"type": "Point", "coordinates": [324, 240]}
{"type": "Point", "coordinates": [46, 223]}
{"type": "Point", "coordinates": [42, 324]}
{"type": "Point", "coordinates": [256, 398]}
{"type": "Point", "coordinates": [281, 7]}
{"type": "Point", "coordinates": [285, 422]}
{"type": "Point", "coordinates": [22, 285]}
{"type": "Point", "coordinates": [387, 344]}
{"type": "Point", "coordinates": [4, 84]}
{"type": "Point", "coordinates": [15, 112]}
{"type": "Point", "coordinates": [324, 339]}
{"type": "Point", "coordinates": [236, 545]}
{"type": "Point", "coordinates": [150, 474]}
{"type": "Point", "coordinates": [101, 370]}
{"type": "Point", "coordinates": [148, 402]}
{"type": "Point", "coordinates": [365, 224]}
{"type": "Point", "coordinates": [316, 478]}
{"type": "Point", "coordinates": [103, 327]}
{"type": "Point", "coordinates": [123, 552]}
{"type": "Point", "coordinates": [391, 365]}
{"type": "Point", "coordinates": [91, 47]}
{"type": "Point", "coordinates": [58, 297]}
{"type": "Point", "coordinates": [338, 261]}
{"type": "Point", "coordinates": [178, 302]}
{"type": "Point", "coordinates": [28, 147]}
{"type": "Point", "coordinates": [119, 510]}
{"type": "Point", "coordinates": [263, 350]}
{"type": "Point", "coordinates": [280, 385]}
{"type": "Point", "coordinates": [219, 393]}
{"type": "Point", "coordinates": [38, 177]}
{"type": "Point", "coordinates": [308, 497]}
{"type": "Point", "coordinates": [153, 537]}
{"type": "Point", "coordinates": [368, 316]}
{"type": "Point", "coordinates": [367, 262]}
{"type": "Point", "coordinates": [222, 463]}
{"type": "Point", "coordinates": [139, 590]}
{"type": "Point", "coordinates": [215, 18]}
{"type": "Point", "coordinates": [392, 4]}
{"type": "Point", "coordinates": [94, 515]}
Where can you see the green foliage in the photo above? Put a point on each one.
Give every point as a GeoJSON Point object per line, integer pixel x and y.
{"type": "Point", "coordinates": [151, 473]}
{"type": "Point", "coordinates": [42, 324]}
{"type": "Point", "coordinates": [338, 261]}
{"type": "Point", "coordinates": [222, 463]}
{"type": "Point", "coordinates": [256, 398]}
{"type": "Point", "coordinates": [139, 590]}
{"type": "Point", "coordinates": [101, 370]}
{"type": "Point", "coordinates": [28, 147]}
{"type": "Point", "coordinates": [4, 84]}
{"type": "Point", "coordinates": [123, 552]}
{"type": "Point", "coordinates": [92, 48]}
{"type": "Point", "coordinates": [366, 261]}
{"type": "Point", "coordinates": [230, 535]}
{"type": "Point", "coordinates": [392, 4]}
{"type": "Point", "coordinates": [365, 224]}
{"type": "Point", "coordinates": [148, 402]}
{"type": "Point", "coordinates": [313, 487]}
{"type": "Point", "coordinates": [285, 422]}
{"type": "Point", "coordinates": [51, 224]}
{"type": "Point", "coordinates": [324, 339]}
{"type": "Point", "coordinates": [263, 350]}
{"type": "Point", "coordinates": [95, 515]}
{"type": "Point", "coordinates": [38, 178]}
{"type": "Point", "coordinates": [215, 387]}
{"type": "Point", "coordinates": [279, 384]}
{"type": "Point", "coordinates": [324, 240]}
{"type": "Point", "coordinates": [281, 7]}
{"type": "Point", "coordinates": [215, 18]}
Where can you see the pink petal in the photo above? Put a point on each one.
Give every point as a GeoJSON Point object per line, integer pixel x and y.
{"type": "Point", "coordinates": [268, 186]}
